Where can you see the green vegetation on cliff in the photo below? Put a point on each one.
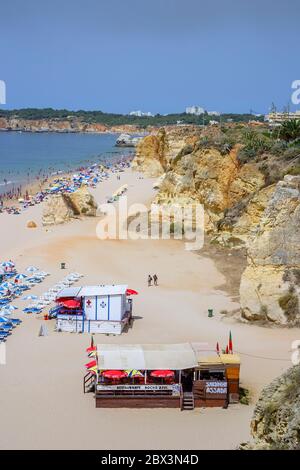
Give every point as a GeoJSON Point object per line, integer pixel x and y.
{"type": "Point", "coordinates": [111, 119]}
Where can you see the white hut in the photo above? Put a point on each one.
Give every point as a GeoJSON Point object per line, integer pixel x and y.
{"type": "Point", "coordinates": [93, 309]}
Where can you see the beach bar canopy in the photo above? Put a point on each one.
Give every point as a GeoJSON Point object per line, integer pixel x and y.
{"type": "Point", "coordinates": [146, 356]}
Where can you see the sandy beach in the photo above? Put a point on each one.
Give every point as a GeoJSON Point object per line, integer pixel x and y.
{"type": "Point", "coordinates": [43, 405]}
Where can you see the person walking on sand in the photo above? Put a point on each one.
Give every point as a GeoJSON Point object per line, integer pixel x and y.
{"type": "Point", "coordinates": [155, 279]}
{"type": "Point", "coordinates": [149, 280]}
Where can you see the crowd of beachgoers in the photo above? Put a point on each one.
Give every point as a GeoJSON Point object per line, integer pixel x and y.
{"type": "Point", "coordinates": [18, 198]}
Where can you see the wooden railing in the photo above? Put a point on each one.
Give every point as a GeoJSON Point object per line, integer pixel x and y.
{"type": "Point", "coordinates": [88, 379]}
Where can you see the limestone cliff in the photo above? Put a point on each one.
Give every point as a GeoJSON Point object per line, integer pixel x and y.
{"type": "Point", "coordinates": [276, 420]}
{"type": "Point", "coordinates": [50, 125]}
{"type": "Point", "coordinates": [155, 152]}
{"type": "Point", "coordinates": [270, 285]}
{"type": "Point", "coordinates": [71, 124]}
{"type": "Point", "coordinates": [208, 177]}
{"type": "Point", "coordinates": [61, 208]}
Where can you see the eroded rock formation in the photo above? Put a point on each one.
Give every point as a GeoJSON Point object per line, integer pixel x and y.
{"type": "Point", "coordinates": [276, 420]}
{"type": "Point", "coordinates": [206, 176]}
{"type": "Point", "coordinates": [61, 208]}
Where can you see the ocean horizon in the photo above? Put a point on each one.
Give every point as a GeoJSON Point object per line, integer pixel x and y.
{"type": "Point", "coordinates": [26, 156]}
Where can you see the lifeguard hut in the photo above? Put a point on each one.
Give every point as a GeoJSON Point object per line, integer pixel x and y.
{"type": "Point", "coordinates": [94, 309]}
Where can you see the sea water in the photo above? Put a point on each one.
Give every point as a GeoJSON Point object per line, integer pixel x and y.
{"type": "Point", "coordinates": [25, 156]}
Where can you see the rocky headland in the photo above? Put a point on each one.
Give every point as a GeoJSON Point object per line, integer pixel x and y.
{"type": "Point", "coordinates": [61, 125]}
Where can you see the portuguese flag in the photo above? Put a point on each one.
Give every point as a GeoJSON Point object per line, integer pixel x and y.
{"type": "Point", "coordinates": [230, 343]}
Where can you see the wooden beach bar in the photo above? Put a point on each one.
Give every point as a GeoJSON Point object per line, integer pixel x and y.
{"type": "Point", "coordinates": [184, 376]}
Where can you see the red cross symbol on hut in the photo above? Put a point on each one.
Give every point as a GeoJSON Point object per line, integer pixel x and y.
{"type": "Point", "coordinates": [89, 303]}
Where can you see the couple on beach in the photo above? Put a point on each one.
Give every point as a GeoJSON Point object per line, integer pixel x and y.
{"type": "Point", "coordinates": [154, 279]}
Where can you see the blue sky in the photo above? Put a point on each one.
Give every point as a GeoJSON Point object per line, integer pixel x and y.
{"type": "Point", "coordinates": [154, 55]}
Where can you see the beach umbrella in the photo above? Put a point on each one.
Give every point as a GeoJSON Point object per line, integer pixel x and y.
{"type": "Point", "coordinates": [7, 285]}
{"type": "Point", "coordinates": [72, 303]}
{"type": "Point", "coordinates": [218, 348]}
{"type": "Point", "coordinates": [134, 373]}
{"type": "Point", "coordinates": [92, 369]}
{"type": "Point", "coordinates": [91, 364]}
{"type": "Point", "coordinates": [4, 320]}
{"type": "Point", "coordinates": [92, 354]}
{"type": "Point", "coordinates": [227, 350]}
{"type": "Point", "coordinates": [20, 277]}
{"type": "Point", "coordinates": [30, 297]}
{"type": "Point", "coordinates": [7, 264]}
{"type": "Point", "coordinates": [5, 312]}
{"type": "Point", "coordinates": [31, 269]}
{"type": "Point", "coordinates": [11, 307]}
{"type": "Point", "coordinates": [131, 292]}
{"type": "Point", "coordinates": [162, 374]}
{"type": "Point", "coordinates": [114, 374]}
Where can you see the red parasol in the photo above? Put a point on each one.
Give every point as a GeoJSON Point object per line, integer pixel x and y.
{"type": "Point", "coordinates": [218, 348]}
{"type": "Point", "coordinates": [162, 374]}
{"type": "Point", "coordinates": [91, 348]}
{"type": "Point", "coordinates": [91, 364]}
{"type": "Point", "coordinates": [114, 374]}
{"type": "Point", "coordinates": [71, 303]}
{"type": "Point", "coordinates": [131, 292]}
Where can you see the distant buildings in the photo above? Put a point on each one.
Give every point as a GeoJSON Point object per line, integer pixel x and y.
{"type": "Point", "coordinates": [276, 117]}
{"type": "Point", "coordinates": [197, 110]}
{"type": "Point", "coordinates": [140, 113]}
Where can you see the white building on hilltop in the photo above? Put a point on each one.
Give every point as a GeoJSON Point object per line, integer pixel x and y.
{"type": "Point", "coordinates": [197, 110]}
{"type": "Point", "coordinates": [277, 117]}
{"type": "Point", "coordinates": [140, 113]}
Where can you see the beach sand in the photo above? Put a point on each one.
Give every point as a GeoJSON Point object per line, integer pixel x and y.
{"type": "Point", "coordinates": [41, 393]}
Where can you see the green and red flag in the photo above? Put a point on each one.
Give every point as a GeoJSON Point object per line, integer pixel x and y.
{"type": "Point", "coordinates": [230, 343]}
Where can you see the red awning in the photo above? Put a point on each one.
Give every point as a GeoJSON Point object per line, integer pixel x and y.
{"type": "Point", "coordinates": [131, 292]}
{"type": "Point", "coordinates": [162, 374]}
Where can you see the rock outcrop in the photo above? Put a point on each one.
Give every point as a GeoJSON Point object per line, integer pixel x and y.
{"type": "Point", "coordinates": [155, 152]}
{"type": "Point", "coordinates": [61, 208]}
{"type": "Point", "coordinates": [206, 176]}
{"type": "Point", "coordinates": [270, 285]}
{"type": "Point", "coordinates": [31, 224]}
{"type": "Point", "coordinates": [276, 420]}
{"type": "Point", "coordinates": [151, 154]}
